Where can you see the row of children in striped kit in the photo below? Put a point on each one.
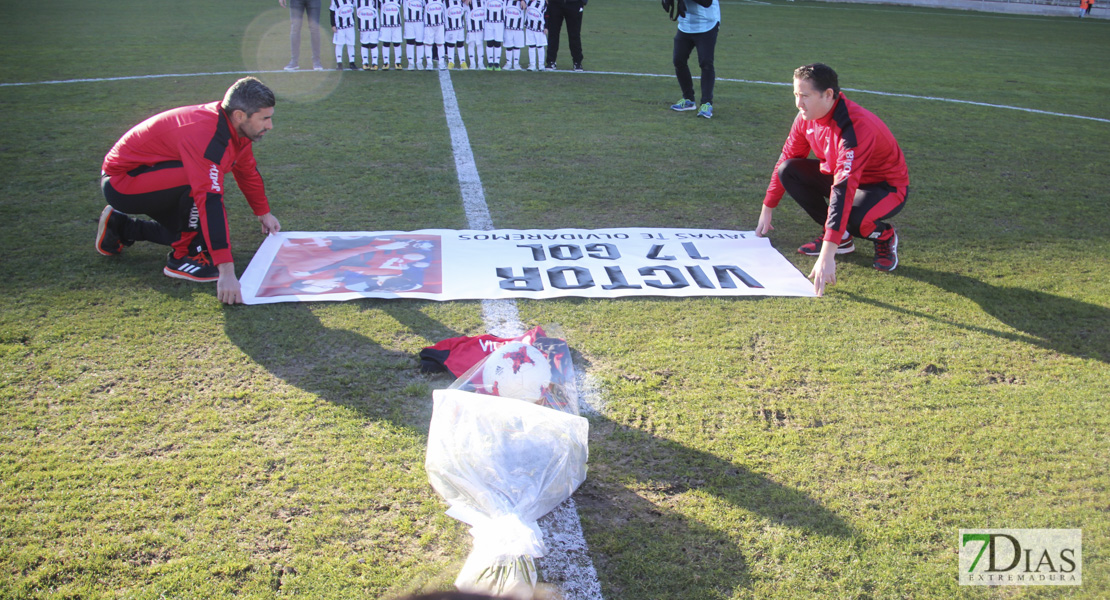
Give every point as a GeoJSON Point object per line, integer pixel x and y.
{"type": "Point", "coordinates": [474, 29]}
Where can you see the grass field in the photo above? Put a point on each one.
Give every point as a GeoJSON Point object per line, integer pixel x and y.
{"type": "Point", "coordinates": [154, 443]}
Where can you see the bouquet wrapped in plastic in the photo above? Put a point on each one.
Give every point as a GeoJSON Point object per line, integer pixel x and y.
{"type": "Point", "coordinates": [503, 462]}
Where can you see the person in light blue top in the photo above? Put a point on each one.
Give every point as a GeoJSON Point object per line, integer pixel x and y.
{"type": "Point", "coordinates": [699, 21]}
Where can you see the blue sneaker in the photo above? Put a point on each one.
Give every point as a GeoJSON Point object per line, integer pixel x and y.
{"type": "Point", "coordinates": [706, 111]}
{"type": "Point", "coordinates": [683, 105]}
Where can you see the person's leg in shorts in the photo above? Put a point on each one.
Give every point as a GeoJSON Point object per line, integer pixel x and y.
{"type": "Point", "coordinates": [369, 42]}
{"type": "Point", "coordinates": [390, 37]}
{"type": "Point", "coordinates": [476, 44]}
{"type": "Point", "coordinates": [494, 34]}
{"type": "Point", "coordinates": [514, 41]}
{"type": "Point", "coordinates": [537, 50]}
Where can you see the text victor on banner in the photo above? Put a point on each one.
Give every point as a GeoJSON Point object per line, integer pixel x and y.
{"type": "Point", "coordinates": [447, 264]}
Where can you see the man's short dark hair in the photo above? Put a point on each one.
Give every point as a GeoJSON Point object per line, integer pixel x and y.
{"type": "Point", "coordinates": [820, 75]}
{"type": "Point", "coordinates": [248, 95]}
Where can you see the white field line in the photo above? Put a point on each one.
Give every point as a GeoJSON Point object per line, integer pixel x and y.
{"type": "Point", "coordinates": [617, 73]}
{"type": "Point", "coordinates": [888, 94]}
{"type": "Point", "coordinates": [567, 563]}
{"type": "Point", "coordinates": [844, 5]}
{"type": "Point", "coordinates": [134, 77]}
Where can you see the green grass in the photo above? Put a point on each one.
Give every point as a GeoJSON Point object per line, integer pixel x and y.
{"type": "Point", "coordinates": [155, 443]}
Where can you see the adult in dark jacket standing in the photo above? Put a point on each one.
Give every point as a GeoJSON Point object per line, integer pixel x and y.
{"type": "Point", "coordinates": [570, 11]}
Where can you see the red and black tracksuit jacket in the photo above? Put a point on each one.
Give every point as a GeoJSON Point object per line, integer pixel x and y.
{"type": "Point", "coordinates": [855, 147]}
{"type": "Point", "coordinates": [194, 146]}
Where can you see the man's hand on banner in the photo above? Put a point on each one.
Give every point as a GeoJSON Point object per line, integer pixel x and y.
{"type": "Point", "coordinates": [270, 223]}
{"type": "Point", "coordinates": [824, 270]}
{"type": "Point", "coordinates": [228, 289]}
{"type": "Point", "coordinates": [763, 227]}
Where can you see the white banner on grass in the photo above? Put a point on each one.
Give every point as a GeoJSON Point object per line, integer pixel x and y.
{"type": "Point", "coordinates": [448, 264]}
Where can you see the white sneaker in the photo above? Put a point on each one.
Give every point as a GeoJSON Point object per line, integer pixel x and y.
{"type": "Point", "coordinates": [291, 66]}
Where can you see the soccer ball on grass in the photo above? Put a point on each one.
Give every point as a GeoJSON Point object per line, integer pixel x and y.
{"type": "Point", "coordinates": [517, 370]}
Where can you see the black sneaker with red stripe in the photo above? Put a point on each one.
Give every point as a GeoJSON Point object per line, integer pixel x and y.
{"type": "Point", "coordinates": [108, 240]}
{"type": "Point", "coordinates": [197, 267]}
{"type": "Point", "coordinates": [886, 252]}
{"type": "Point", "coordinates": [814, 248]}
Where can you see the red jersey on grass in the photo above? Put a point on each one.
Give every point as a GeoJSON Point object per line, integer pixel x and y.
{"type": "Point", "coordinates": [458, 354]}
{"type": "Point", "coordinates": [854, 146]}
{"type": "Point", "coordinates": [202, 139]}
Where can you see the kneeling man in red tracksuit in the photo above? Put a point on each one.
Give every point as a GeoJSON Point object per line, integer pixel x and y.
{"type": "Point", "coordinates": [857, 180]}
{"type": "Point", "coordinates": [171, 167]}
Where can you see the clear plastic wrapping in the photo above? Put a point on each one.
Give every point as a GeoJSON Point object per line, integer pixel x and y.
{"type": "Point", "coordinates": [501, 464]}
{"type": "Point", "coordinates": [540, 372]}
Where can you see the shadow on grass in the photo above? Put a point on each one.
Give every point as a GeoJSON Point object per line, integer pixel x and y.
{"type": "Point", "coordinates": [341, 366]}
{"type": "Point", "coordinates": [644, 549]}
{"type": "Point", "coordinates": [649, 550]}
{"type": "Point", "coordinates": [1052, 322]}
